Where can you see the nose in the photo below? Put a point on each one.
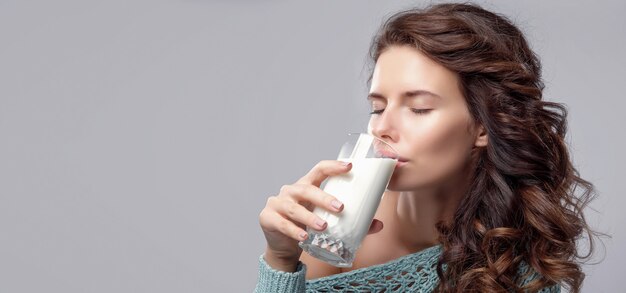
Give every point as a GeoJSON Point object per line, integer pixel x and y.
{"type": "Point", "coordinates": [384, 126]}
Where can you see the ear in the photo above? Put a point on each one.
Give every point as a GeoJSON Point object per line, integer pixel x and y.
{"type": "Point", "coordinates": [481, 136]}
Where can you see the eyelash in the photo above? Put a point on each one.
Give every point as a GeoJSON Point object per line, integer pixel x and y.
{"type": "Point", "coordinates": [416, 111]}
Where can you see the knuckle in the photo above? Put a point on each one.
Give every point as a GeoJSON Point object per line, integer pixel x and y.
{"type": "Point", "coordinates": [262, 217]}
{"type": "Point", "coordinates": [304, 189]}
{"type": "Point", "coordinates": [325, 164]}
{"type": "Point", "coordinates": [284, 189]}
{"type": "Point", "coordinates": [299, 188]}
{"type": "Point", "coordinates": [283, 227]}
{"type": "Point", "coordinates": [290, 209]}
{"type": "Point", "coordinates": [307, 192]}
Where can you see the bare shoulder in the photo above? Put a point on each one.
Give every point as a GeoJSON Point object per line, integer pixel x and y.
{"type": "Point", "coordinates": [317, 268]}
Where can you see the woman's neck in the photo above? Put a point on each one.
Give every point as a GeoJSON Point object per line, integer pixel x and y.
{"type": "Point", "coordinates": [418, 211]}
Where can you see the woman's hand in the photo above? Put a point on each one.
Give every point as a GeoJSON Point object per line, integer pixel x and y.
{"type": "Point", "coordinates": [286, 215]}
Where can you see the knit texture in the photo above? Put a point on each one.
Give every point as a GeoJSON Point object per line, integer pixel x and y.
{"type": "Point", "coordinates": [272, 280]}
{"type": "Point", "coordinates": [415, 272]}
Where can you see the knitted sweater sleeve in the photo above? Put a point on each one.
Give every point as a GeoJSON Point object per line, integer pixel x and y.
{"type": "Point", "coordinates": [275, 281]}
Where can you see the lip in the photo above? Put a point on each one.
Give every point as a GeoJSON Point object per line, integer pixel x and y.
{"type": "Point", "coordinates": [391, 155]}
{"type": "Point", "coordinates": [400, 164]}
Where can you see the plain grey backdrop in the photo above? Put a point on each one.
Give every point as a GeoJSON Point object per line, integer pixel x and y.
{"type": "Point", "coordinates": [140, 139]}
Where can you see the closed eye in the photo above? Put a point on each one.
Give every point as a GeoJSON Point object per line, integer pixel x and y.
{"type": "Point", "coordinates": [416, 111]}
{"type": "Point", "coordinates": [421, 111]}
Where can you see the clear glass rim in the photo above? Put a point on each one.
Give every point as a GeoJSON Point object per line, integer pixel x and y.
{"type": "Point", "coordinates": [377, 138]}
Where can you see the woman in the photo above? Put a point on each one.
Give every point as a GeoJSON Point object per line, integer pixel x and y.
{"type": "Point", "coordinates": [485, 200]}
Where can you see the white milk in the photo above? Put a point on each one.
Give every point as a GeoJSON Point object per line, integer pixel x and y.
{"type": "Point", "coordinates": [360, 191]}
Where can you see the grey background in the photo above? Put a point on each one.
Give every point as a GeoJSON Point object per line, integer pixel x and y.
{"type": "Point", "coordinates": [140, 139]}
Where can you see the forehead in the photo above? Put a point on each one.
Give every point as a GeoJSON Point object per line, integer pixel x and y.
{"type": "Point", "coordinates": [402, 68]}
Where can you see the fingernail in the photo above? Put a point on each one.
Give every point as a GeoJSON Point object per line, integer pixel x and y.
{"type": "Point", "coordinates": [347, 164]}
{"type": "Point", "coordinates": [320, 224]}
{"type": "Point", "coordinates": [303, 235]}
{"type": "Point", "coordinates": [336, 204]}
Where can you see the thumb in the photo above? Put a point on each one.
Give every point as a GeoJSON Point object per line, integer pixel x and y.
{"type": "Point", "coordinates": [375, 227]}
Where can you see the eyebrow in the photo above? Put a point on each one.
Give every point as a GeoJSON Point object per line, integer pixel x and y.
{"type": "Point", "coordinates": [408, 94]}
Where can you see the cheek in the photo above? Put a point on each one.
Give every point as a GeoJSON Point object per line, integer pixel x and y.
{"type": "Point", "coordinates": [441, 149]}
{"type": "Point", "coordinates": [444, 139]}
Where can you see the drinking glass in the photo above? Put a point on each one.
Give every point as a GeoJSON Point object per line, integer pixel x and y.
{"type": "Point", "coordinates": [360, 190]}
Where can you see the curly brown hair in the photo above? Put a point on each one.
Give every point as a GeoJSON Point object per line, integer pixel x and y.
{"type": "Point", "coordinates": [523, 205]}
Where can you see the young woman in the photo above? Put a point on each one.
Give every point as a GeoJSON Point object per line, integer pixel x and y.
{"type": "Point", "coordinates": [484, 199]}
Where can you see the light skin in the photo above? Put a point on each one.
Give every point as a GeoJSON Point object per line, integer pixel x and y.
{"type": "Point", "coordinates": [431, 129]}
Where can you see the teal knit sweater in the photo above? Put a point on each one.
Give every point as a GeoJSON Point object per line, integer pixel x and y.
{"type": "Point", "coordinates": [410, 273]}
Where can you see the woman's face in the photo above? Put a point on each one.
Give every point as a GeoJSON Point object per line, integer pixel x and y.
{"type": "Point", "coordinates": [424, 118]}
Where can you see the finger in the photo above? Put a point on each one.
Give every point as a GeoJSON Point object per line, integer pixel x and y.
{"type": "Point", "coordinates": [300, 215]}
{"type": "Point", "coordinates": [375, 227]}
{"type": "Point", "coordinates": [286, 227]}
{"type": "Point", "coordinates": [312, 194]}
{"type": "Point", "coordinates": [323, 170]}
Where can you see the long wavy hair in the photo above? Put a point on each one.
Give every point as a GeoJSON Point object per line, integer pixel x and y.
{"type": "Point", "coordinates": [526, 200]}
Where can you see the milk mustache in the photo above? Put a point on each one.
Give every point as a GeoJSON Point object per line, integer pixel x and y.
{"type": "Point", "coordinates": [360, 190]}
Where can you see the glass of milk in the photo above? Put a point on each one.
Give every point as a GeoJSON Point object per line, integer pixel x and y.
{"type": "Point", "coordinates": [360, 190]}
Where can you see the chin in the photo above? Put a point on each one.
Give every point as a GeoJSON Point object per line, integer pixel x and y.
{"type": "Point", "coordinates": [395, 184]}
{"type": "Point", "coordinates": [406, 183]}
